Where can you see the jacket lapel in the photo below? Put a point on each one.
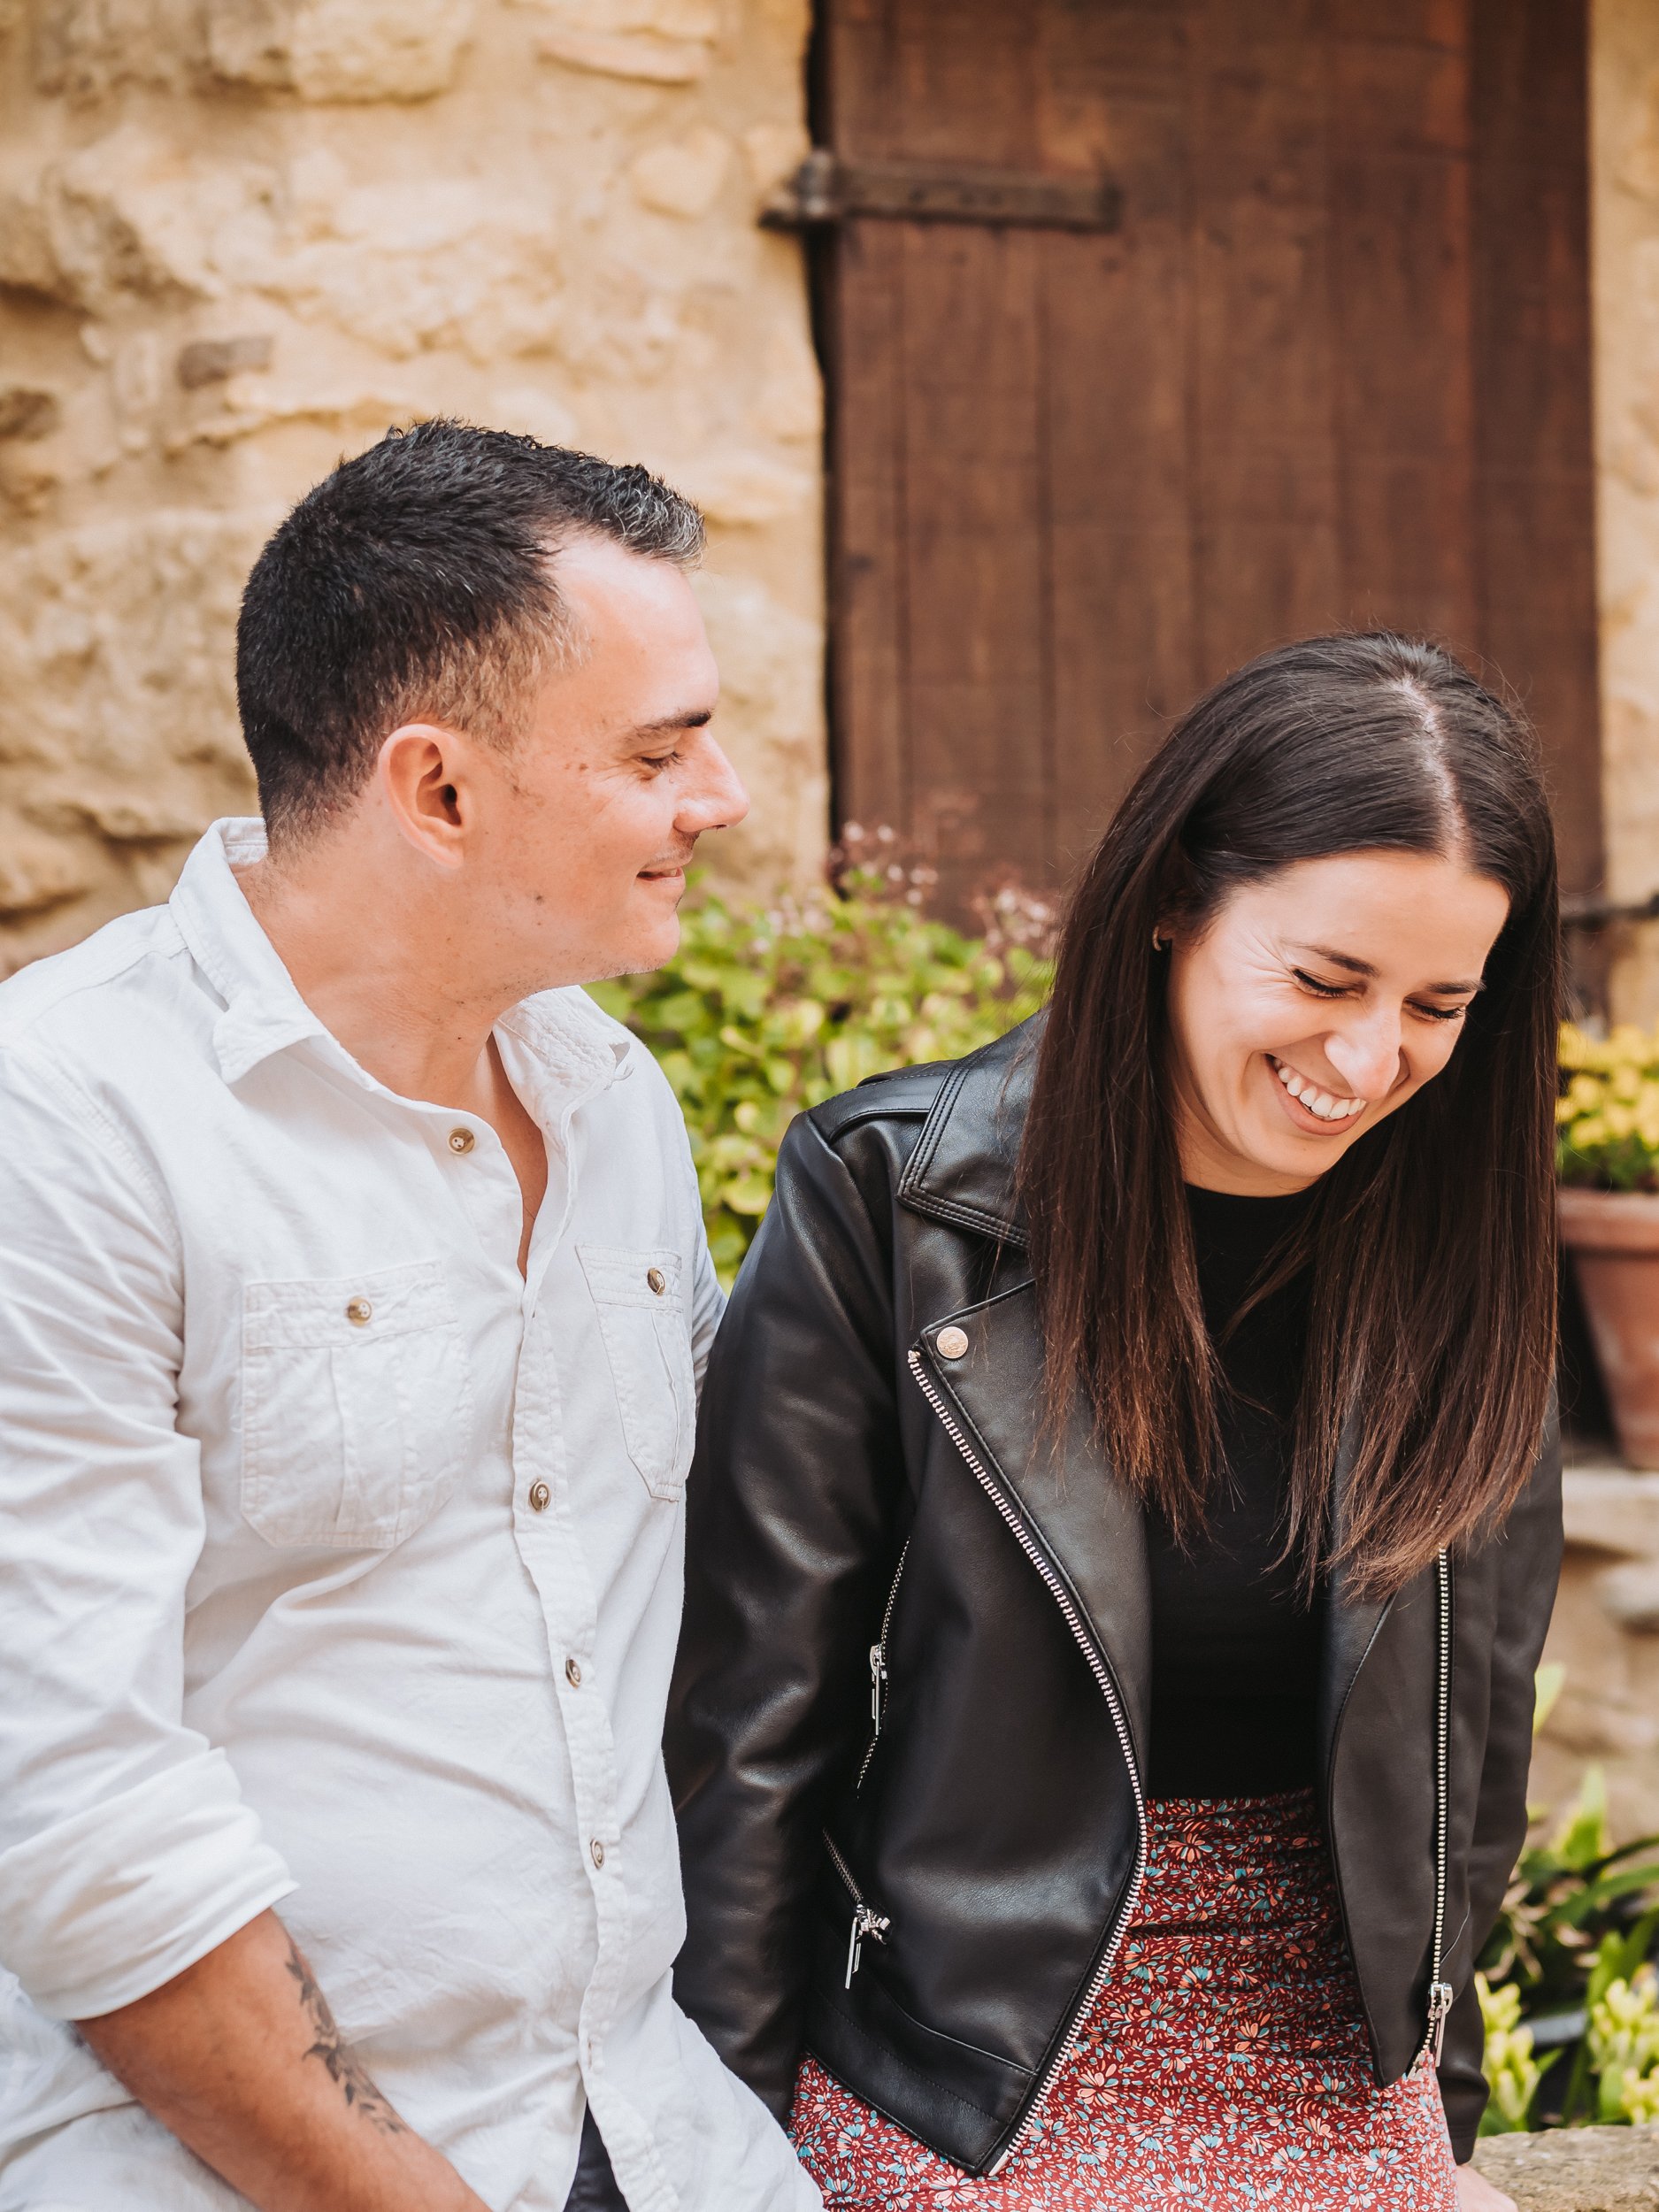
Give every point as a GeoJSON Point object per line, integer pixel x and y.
{"type": "Point", "coordinates": [1089, 1529]}
{"type": "Point", "coordinates": [1351, 1621]}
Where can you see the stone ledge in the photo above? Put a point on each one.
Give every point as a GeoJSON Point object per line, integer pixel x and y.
{"type": "Point", "coordinates": [1611, 1508]}
{"type": "Point", "coordinates": [1576, 2169]}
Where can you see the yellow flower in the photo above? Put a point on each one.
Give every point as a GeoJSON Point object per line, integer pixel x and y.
{"type": "Point", "coordinates": [1584, 1094]}
{"type": "Point", "coordinates": [1584, 1135]}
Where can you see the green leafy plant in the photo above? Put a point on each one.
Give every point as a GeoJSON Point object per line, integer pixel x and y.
{"type": "Point", "coordinates": [1580, 1922]}
{"type": "Point", "coordinates": [1622, 2047]}
{"type": "Point", "coordinates": [1512, 2072]}
{"type": "Point", "coordinates": [766, 1011]}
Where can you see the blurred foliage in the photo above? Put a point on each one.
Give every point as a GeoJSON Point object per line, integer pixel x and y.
{"type": "Point", "coordinates": [1512, 2072]}
{"type": "Point", "coordinates": [1568, 1965]}
{"type": "Point", "coordinates": [1607, 1118]}
{"type": "Point", "coordinates": [1622, 2047]}
{"type": "Point", "coordinates": [765, 1011]}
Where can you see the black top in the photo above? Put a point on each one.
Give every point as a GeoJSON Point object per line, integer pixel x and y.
{"type": "Point", "coordinates": [1236, 1653]}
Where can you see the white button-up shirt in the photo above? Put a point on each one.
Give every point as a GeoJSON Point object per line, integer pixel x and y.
{"type": "Point", "coordinates": [341, 1567]}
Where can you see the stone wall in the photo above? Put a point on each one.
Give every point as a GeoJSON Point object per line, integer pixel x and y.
{"type": "Point", "coordinates": [1624, 164]}
{"type": "Point", "coordinates": [241, 237]}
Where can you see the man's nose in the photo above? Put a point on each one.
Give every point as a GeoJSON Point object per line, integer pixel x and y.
{"type": "Point", "coordinates": [718, 800]}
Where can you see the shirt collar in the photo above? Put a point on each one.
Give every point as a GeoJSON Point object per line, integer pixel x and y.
{"type": "Point", "coordinates": [564, 1034]}
{"type": "Point", "coordinates": [264, 1013]}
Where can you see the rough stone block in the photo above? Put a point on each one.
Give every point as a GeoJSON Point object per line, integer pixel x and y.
{"type": "Point", "coordinates": [28, 412]}
{"type": "Point", "coordinates": [654, 60]}
{"type": "Point", "coordinates": [37, 872]}
{"type": "Point", "coordinates": [683, 178]}
{"type": "Point", "coordinates": [85, 49]}
{"type": "Point", "coordinates": [340, 49]}
{"type": "Point", "coordinates": [210, 360]}
{"type": "Point", "coordinates": [1576, 2169]}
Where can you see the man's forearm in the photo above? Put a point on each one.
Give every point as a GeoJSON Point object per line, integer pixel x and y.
{"type": "Point", "coordinates": [239, 2056]}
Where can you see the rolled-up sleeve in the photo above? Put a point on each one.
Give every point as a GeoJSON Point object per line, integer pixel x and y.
{"type": "Point", "coordinates": [126, 1851]}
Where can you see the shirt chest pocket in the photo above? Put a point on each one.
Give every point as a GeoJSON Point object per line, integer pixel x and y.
{"type": "Point", "coordinates": [647, 1345]}
{"type": "Point", "coordinates": [357, 1406]}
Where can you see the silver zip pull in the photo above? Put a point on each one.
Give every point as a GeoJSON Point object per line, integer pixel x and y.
{"type": "Point", "coordinates": [865, 1922]}
{"type": "Point", "coordinates": [877, 1677]}
{"type": "Point", "coordinates": [1440, 1994]}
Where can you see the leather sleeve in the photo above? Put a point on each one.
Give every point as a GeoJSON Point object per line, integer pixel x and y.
{"type": "Point", "coordinates": [1530, 1566]}
{"type": "Point", "coordinates": [793, 1506]}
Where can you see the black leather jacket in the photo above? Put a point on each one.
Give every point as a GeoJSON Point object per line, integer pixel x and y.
{"type": "Point", "coordinates": [871, 1518]}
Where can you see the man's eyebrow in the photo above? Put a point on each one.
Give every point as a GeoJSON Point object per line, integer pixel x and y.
{"type": "Point", "coordinates": [693, 718]}
{"type": "Point", "coordinates": [1363, 967]}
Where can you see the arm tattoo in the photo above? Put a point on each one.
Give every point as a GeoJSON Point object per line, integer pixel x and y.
{"type": "Point", "coordinates": [343, 2066]}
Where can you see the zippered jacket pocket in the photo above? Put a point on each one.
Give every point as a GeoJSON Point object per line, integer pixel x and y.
{"type": "Point", "coordinates": [866, 1921]}
{"type": "Point", "coordinates": [878, 1668]}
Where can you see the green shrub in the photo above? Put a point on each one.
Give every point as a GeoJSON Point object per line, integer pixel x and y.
{"type": "Point", "coordinates": [1512, 2072]}
{"type": "Point", "coordinates": [766, 1011]}
{"type": "Point", "coordinates": [1568, 1966]}
{"type": "Point", "coordinates": [1624, 2048]}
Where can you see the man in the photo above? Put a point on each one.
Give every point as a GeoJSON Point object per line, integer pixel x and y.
{"type": "Point", "coordinates": [353, 1293]}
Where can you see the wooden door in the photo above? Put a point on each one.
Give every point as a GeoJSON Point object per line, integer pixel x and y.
{"type": "Point", "coordinates": [1333, 368]}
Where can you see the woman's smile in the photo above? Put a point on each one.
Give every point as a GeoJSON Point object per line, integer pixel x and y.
{"type": "Point", "coordinates": [1318, 1111]}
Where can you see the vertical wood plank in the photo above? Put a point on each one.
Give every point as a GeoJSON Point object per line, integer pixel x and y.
{"type": "Point", "coordinates": [1403, 268]}
{"type": "Point", "coordinates": [1263, 419]}
{"type": "Point", "coordinates": [977, 659]}
{"type": "Point", "coordinates": [870, 537]}
{"type": "Point", "coordinates": [1118, 313]}
{"type": "Point", "coordinates": [1532, 350]}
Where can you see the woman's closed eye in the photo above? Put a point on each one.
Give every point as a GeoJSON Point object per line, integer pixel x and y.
{"type": "Point", "coordinates": [1322, 989]}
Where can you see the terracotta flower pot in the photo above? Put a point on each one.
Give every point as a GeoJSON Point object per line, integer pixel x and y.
{"type": "Point", "coordinates": [1614, 1240]}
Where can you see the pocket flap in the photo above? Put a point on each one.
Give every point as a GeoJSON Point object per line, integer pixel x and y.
{"type": "Point", "coordinates": [324, 1310]}
{"type": "Point", "coordinates": [620, 1275]}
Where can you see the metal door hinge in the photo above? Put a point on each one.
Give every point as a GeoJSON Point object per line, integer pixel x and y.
{"type": "Point", "coordinates": [825, 189]}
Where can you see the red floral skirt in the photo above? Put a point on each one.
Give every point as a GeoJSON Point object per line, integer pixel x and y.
{"type": "Point", "coordinates": [1223, 2066]}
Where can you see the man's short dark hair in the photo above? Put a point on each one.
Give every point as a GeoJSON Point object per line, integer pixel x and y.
{"type": "Point", "coordinates": [418, 583]}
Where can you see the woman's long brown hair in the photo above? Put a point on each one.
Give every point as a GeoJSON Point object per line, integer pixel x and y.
{"type": "Point", "coordinates": [1431, 1345]}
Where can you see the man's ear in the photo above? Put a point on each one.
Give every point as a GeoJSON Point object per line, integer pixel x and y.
{"type": "Point", "coordinates": [422, 774]}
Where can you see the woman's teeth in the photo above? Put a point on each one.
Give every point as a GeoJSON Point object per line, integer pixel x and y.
{"type": "Point", "coordinates": [1313, 1098]}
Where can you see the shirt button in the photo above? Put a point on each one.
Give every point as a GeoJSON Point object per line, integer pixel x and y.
{"type": "Point", "coordinates": [952, 1343]}
{"type": "Point", "coordinates": [658, 1280]}
{"type": "Point", "coordinates": [597, 1851]}
{"type": "Point", "coordinates": [462, 1140]}
{"type": "Point", "coordinates": [573, 1673]}
{"type": "Point", "coordinates": [359, 1311]}
{"type": "Point", "coordinates": [539, 1496]}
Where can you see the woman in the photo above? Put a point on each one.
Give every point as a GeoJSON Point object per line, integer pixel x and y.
{"type": "Point", "coordinates": [1125, 1518]}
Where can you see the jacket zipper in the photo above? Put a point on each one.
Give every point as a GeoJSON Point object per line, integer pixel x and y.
{"type": "Point", "coordinates": [1109, 1690]}
{"type": "Point", "coordinates": [878, 1667]}
{"type": "Point", "coordinates": [1441, 1991]}
{"type": "Point", "coordinates": [866, 1921]}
